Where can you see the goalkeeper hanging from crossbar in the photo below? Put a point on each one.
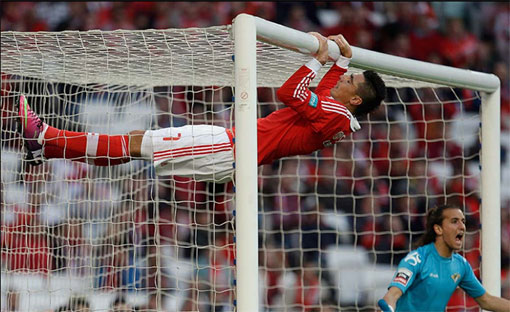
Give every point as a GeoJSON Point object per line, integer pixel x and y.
{"type": "Point", "coordinates": [309, 122]}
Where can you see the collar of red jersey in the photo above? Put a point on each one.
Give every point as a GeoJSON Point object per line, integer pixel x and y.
{"type": "Point", "coordinates": [355, 126]}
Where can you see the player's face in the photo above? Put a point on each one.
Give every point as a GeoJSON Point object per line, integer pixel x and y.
{"type": "Point", "coordinates": [453, 227]}
{"type": "Point", "coordinates": [345, 88]}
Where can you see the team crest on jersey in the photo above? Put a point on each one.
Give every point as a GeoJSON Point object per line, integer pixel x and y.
{"type": "Point", "coordinates": [455, 277]}
{"type": "Point", "coordinates": [336, 138]}
{"type": "Point", "coordinates": [314, 100]}
{"type": "Point", "coordinates": [339, 136]}
{"type": "Point", "coordinates": [403, 276]}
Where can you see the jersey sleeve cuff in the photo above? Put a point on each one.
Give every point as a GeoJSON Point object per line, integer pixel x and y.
{"type": "Point", "coordinates": [314, 65]}
{"type": "Point", "coordinates": [343, 62]}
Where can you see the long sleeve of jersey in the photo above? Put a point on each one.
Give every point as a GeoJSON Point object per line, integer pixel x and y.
{"type": "Point", "coordinates": [331, 77]}
{"type": "Point", "coordinates": [295, 93]}
{"type": "Point", "coordinates": [314, 107]}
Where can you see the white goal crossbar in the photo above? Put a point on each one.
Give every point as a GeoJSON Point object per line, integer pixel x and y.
{"type": "Point", "coordinates": [247, 30]}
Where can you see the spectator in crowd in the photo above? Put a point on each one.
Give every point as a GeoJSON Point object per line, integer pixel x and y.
{"type": "Point", "coordinates": [78, 304]}
{"type": "Point", "coordinates": [287, 204]}
{"type": "Point", "coordinates": [12, 299]}
{"type": "Point", "coordinates": [423, 35]}
{"type": "Point", "coordinates": [501, 31]}
{"type": "Point", "coordinates": [501, 69]}
{"type": "Point", "coordinates": [458, 46]}
{"type": "Point", "coordinates": [351, 22]}
{"type": "Point", "coordinates": [154, 303]}
{"type": "Point", "coordinates": [24, 245]}
{"type": "Point", "coordinates": [272, 264]}
{"type": "Point", "coordinates": [316, 235]}
{"type": "Point", "coordinates": [505, 249]}
{"type": "Point", "coordinates": [120, 304]}
{"type": "Point", "coordinates": [304, 288]}
{"type": "Point", "coordinates": [211, 284]}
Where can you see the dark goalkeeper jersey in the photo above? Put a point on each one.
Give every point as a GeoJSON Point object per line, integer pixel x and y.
{"type": "Point", "coordinates": [311, 120]}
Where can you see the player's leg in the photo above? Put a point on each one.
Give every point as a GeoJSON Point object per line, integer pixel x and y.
{"type": "Point", "coordinates": [41, 140]}
{"type": "Point", "coordinates": [204, 152]}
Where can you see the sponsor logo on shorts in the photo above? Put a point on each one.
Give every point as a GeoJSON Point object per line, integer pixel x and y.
{"type": "Point", "coordinates": [403, 276]}
{"type": "Point", "coordinates": [173, 138]}
{"type": "Point", "coordinates": [314, 100]}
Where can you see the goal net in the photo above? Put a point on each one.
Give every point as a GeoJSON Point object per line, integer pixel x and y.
{"type": "Point", "coordinates": [333, 225]}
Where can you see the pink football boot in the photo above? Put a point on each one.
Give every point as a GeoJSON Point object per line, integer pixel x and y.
{"type": "Point", "coordinates": [31, 128]}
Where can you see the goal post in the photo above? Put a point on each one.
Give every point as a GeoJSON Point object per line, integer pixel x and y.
{"type": "Point", "coordinates": [246, 163]}
{"type": "Point", "coordinates": [490, 190]}
{"type": "Point", "coordinates": [489, 84]}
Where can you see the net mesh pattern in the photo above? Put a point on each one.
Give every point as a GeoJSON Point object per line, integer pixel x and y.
{"type": "Point", "coordinates": [333, 225]}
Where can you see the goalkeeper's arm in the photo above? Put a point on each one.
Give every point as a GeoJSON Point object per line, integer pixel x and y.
{"type": "Point", "coordinates": [389, 301]}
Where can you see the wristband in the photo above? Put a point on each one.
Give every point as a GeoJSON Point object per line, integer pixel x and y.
{"type": "Point", "coordinates": [343, 62]}
{"type": "Point", "coordinates": [385, 307]}
{"type": "Point", "coordinates": [314, 65]}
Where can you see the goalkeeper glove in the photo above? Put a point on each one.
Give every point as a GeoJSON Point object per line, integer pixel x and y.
{"type": "Point", "coordinates": [385, 307]}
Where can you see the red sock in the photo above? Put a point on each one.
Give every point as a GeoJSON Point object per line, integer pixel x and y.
{"type": "Point", "coordinates": [98, 149]}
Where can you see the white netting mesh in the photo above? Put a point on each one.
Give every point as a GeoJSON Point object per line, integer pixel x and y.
{"type": "Point", "coordinates": [333, 224]}
{"type": "Point", "coordinates": [192, 56]}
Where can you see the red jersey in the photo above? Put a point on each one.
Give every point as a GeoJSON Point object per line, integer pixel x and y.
{"type": "Point", "coordinates": [311, 120]}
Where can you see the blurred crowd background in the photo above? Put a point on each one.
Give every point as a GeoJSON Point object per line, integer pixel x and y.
{"type": "Point", "coordinates": [296, 231]}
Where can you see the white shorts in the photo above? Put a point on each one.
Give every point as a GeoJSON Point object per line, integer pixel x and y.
{"type": "Point", "coordinates": [203, 152]}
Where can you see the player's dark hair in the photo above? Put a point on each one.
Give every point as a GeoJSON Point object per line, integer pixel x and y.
{"type": "Point", "coordinates": [434, 216]}
{"type": "Point", "coordinates": [372, 92]}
